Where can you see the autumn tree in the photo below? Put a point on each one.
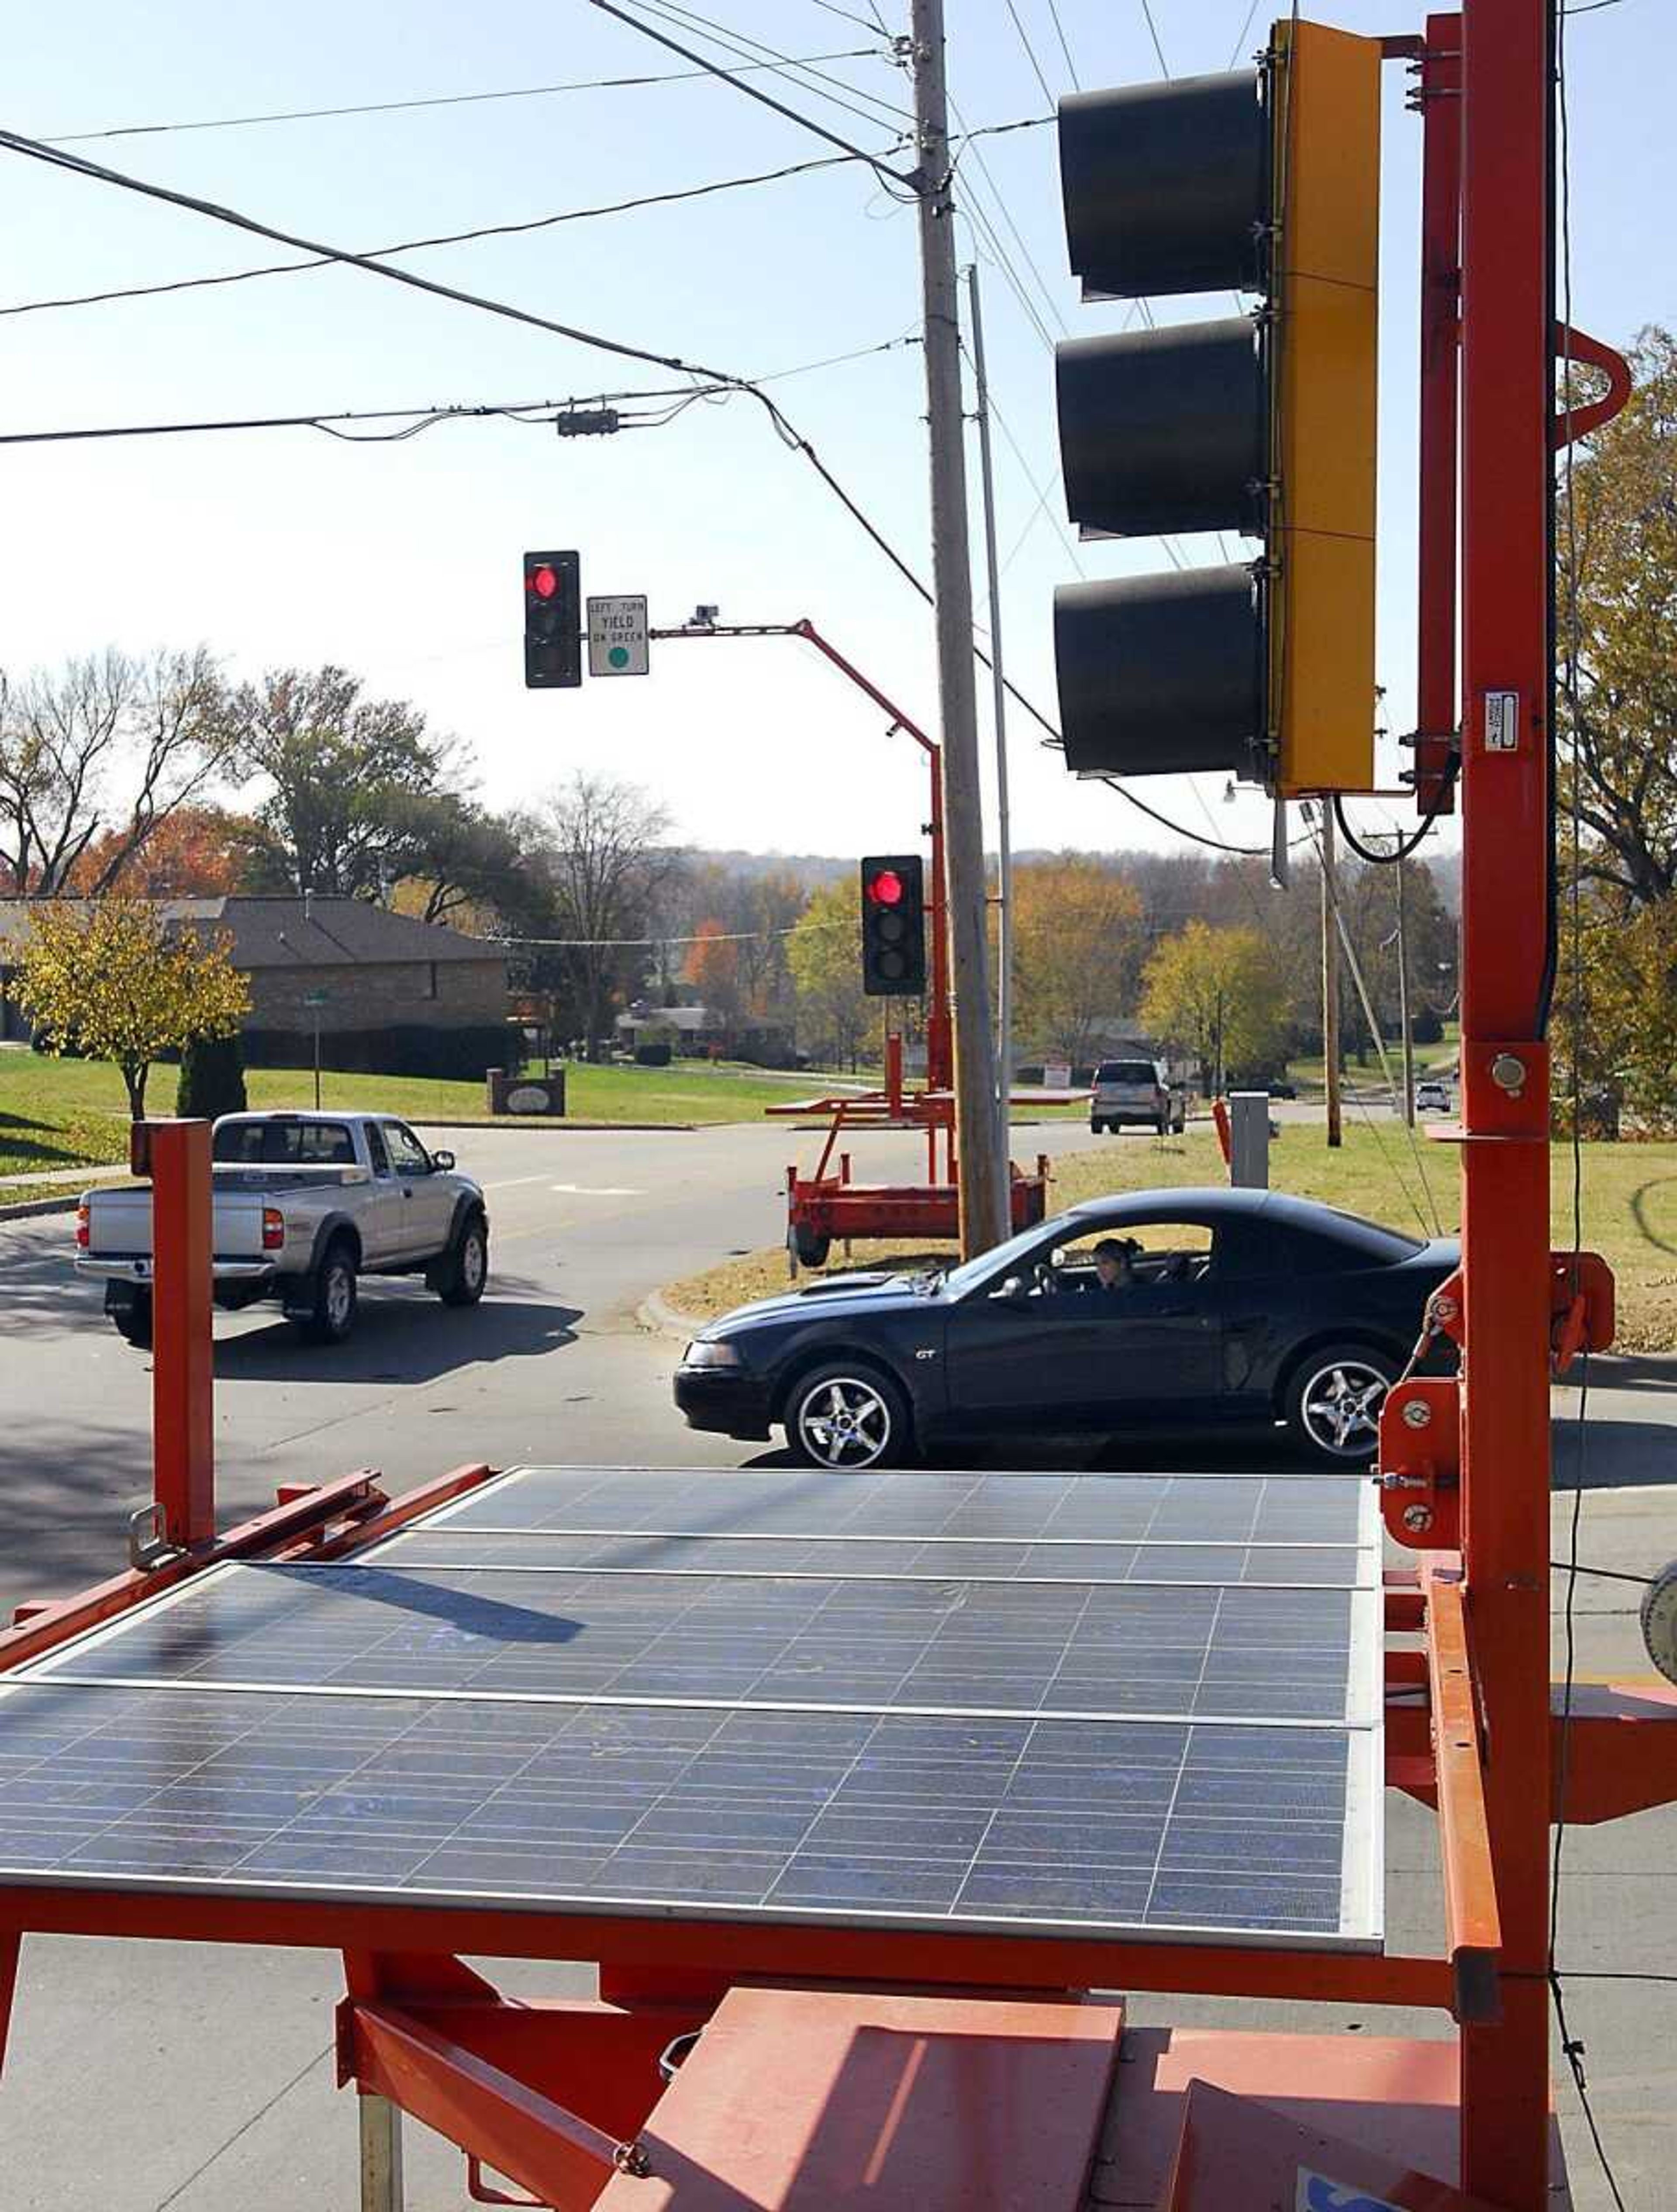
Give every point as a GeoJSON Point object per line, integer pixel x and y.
{"type": "Point", "coordinates": [1078, 945]}
{"type": "Point", "coordinates": [1220, 994]}
{"type": "Point", "coordinates": [194, 852]}
{"type": "Point", "coordinates": [825, 950]}
{"type": "Point", "coordinates": [110, 980]}
{"type": "Point", "coordinates": [103, 751]}
{"type": "Point", "coordinates": [1617, 532]}
{"type": "Point", "coordinates": [712, 968]}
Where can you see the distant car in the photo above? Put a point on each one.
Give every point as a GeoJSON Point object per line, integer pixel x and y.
{"type": "Point", "coordinates": [1136, 1093]}
{"type": "Point", "coordinates": [1283, 1090]}
{"type": "Point", "coordinates": [304, 1205]}
{"type": "Point", "coordinates": [1432, 1097]}
{"type": "Point", "coordinates": [1245, 1307]}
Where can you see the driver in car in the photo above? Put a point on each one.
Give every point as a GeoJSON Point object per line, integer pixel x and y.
{"type": "Point", "coordinates": [1114, 1267]}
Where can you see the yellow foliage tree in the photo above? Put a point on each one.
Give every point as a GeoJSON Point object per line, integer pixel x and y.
{"type": "Point", "coordinates": [824, 952]}
{"type": "Point", "coordinates": [110, 980]}
{"type": "Point", "coordinates": [1218, 993]}
{"type": "Point", "coordinates": [1077, 953]}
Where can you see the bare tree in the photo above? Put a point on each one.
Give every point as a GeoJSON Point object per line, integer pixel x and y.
{"type": "Point", "coordinates": [105, 748]}
{"type": "Point", "coordinates": [607, 855]}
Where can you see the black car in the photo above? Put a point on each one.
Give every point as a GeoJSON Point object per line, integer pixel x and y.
{"type": "Point", "coordinates": [1236, 1306]}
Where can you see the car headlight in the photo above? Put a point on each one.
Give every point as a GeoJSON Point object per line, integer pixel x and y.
{"type": "Point", "coordinates": [703, 1352]}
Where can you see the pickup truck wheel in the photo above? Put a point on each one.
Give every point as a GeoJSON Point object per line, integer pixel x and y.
{"type": "Point", "coordinates": [332, 1312]}
{"type": "Point", "coordinates": [133, 1323]}
{"type": "Point", "coordinates": [468, 1267]}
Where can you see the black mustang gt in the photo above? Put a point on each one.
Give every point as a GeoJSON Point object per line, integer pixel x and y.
{"type": "Point", "coordinates": [1235, 1306]}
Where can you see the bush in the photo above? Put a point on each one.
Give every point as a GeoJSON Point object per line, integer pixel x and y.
{"type": "Point", "coordinates": [1428, 1026]}
{"type": "Point", "coordinates": [652, 1055]}
{"type": "Point", "coordinates": [212, 1079]}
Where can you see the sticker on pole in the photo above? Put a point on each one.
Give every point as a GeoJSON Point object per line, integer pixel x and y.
{"type": "Point", "coordinates": [618, 637]}
{"type": "Point", "coordinates": [1316, 2193]}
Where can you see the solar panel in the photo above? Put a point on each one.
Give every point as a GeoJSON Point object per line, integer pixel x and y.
{"type": "Point", "coordinates": [1114, 1703]}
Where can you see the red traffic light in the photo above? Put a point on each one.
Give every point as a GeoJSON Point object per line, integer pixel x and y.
{"type": "Point", "coordinates": [543, 581]}
{"type": "Point", "coordinates": [885, 889]}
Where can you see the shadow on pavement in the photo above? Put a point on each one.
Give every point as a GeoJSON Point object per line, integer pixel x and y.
{"type": "Point", "coordinates": [401, 1340]}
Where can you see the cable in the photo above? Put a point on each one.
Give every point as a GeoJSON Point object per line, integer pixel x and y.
{"type": "Point", "coordinates": [845, 16]}
{"type": "Point", "coordinates": [1146, 9]}
{"type": "Point", "coordinates": [1031, 51]}
{"type": "Point", "coordinates": [447, 238]}
{"type": "Point", "coordinates": [1402, 848]}
{"type": "Point", "coordinates": [1060, 32]}
{"type": "Point", "coordinates": [742, 46]}
{"type": "Point", "coordinates": [1240, 35]}
{"type": "Point", "coordinates": [751, 92]}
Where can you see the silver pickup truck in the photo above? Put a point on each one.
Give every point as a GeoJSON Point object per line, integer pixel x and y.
{"type": "Point", "coordinates": [304, 1205]}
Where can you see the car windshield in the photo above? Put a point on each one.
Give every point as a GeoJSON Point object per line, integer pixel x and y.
{"type": "Point", "coordinates": [1126, 1070]}
{"type": "Point", "coordinates": [971, 1273]}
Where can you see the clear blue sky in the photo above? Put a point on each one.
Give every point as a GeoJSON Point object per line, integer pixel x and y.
{"type": "Point", "coordinates": [401, 561]}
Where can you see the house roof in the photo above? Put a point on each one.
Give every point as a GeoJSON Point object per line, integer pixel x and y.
{"type": "Point", "coordinates": [291, 932]}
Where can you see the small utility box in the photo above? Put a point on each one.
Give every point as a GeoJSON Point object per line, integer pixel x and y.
{"type": "Point", "coordinates": [1248, 1139]}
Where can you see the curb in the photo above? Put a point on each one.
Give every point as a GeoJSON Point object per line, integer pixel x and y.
{"type": "Point", "coordinates": [658, 1318]}
{"type": "Point", "coordinates": [32, 1207]}
{"type": "Point", "coordinates": [558, 1126]}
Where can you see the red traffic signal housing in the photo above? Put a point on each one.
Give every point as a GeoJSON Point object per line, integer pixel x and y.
{"type": "Point", "coordinates": [894, 926]}
{"type": "Point", "coordinates": [552, 621]}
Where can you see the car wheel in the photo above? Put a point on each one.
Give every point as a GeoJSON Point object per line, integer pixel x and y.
{"type": "Point", "coordinates": [332, 1312]}
{"type": "Point", "coordinates": [846, 1418]}
{"type": "Point", "coordinates": [809, 1247]}
{"type": "Point", "coordinates": [1333, 1404]}
{"type": "Point", "coordinates": [133, 1323]}
{"type": "Point", "coordinates": [468, 1269]}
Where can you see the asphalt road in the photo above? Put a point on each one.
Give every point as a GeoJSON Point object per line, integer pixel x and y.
{"type": "Point", "coordinates": [175, 2078]}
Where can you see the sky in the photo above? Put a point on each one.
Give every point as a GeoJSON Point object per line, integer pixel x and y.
{"type": "Point", "coordinates": [402, 561]}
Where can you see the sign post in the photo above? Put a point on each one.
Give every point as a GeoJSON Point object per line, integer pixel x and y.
{"type": "Point", "coordinates": [617, 637]}
{"type": "Point", "coordinates": [314, 1001]}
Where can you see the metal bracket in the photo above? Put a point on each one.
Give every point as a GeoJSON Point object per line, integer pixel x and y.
{"type": "Point", "coordinates": [151, 1549]}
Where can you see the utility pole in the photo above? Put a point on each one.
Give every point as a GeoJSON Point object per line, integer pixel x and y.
{"type": "Point", "coordinates": [1403, 998]}
{"type": "Point", "coordinates": [999, 716]}
{"type": "Point", "coordinates": [1330, 978]}
{"type": "Point", "coordinates": [981, 1174]}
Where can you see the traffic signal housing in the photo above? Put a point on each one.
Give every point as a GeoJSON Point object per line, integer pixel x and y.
{"type": "Point", "coordinates": [894, 926]}
{"type": "Point", "coordinates": [1263, 181]}
{"type": "Point", "coordinates": [552, 621]}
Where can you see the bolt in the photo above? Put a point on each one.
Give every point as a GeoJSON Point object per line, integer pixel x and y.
{"type": "Point", "coordinates": [1445, 1308]}
{"type": "Point", "coordinates": [1418, 1519]}
{"type": "Point", "coordinates": [1507, 1072]}
{"type": "Point", "coordinates": [1416, 1413]}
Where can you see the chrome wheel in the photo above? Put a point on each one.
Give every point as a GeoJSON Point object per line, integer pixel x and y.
{"type": "Point", "coordinates": [844, 1422]}
{"type": "Point", "coordinates": [474, 1262]}
{"type": "Point", "coordinates": [340, 1297]}
{"type": "Point", "coordinates": [1338, 1407]}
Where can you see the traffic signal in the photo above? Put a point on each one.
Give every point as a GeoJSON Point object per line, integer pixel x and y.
{"type": "Point", "coordinates": [552, 621]}
{"type": "Point", "coordinates": [894, 926]}
{"type": "Point", "coordinates": [1263, 181]}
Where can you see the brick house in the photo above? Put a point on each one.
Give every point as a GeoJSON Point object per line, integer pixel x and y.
{"type": "Point", "coordinates": [359, 972]}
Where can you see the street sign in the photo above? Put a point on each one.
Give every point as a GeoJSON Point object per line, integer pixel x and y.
{"type": "Point", "coordinates": [316, 998]}
{"type": "Point", "coordinates": [618, 637]}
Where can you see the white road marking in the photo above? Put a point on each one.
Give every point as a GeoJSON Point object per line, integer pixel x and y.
{"type": "Point", "coordinates": [595, 1190]}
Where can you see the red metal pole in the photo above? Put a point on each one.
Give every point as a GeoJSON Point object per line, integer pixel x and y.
{"type": "Point", "coordinates": [1438, 94]}
{"type": "Point", "coordinates": [1507, 366]}
{"type": "Point", "coordinates": [183, 1383]}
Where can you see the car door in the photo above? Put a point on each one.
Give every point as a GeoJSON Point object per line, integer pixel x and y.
{"type": "Point", "coordinates": [428, 1200]}
{"type": "Point", "coordinates": [380, 1211]}
{"type": "Point", "coordinates": [1019, 1351]}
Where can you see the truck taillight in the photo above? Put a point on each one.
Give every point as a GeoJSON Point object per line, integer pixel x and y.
{"type": "Point", "coordinates": [82, 1228]}
{"type": "Point", "coordinates": [273, 1229]}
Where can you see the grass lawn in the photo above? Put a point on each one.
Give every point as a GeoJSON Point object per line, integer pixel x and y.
{"type": "Point", "coordinates": [1630, 1209]}
{"type": "Point", "coordinates": [71, 1113]}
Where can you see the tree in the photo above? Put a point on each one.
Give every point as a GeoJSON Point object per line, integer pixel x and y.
{"type": "Point", "coordinates": [461, 861]}
{"type": "Point", "coordinates": [110, 980]}
{"type": "Point", "coordinates": [105, 749]}
{"type": "Point", "coordinates": [825, 955]}
{"type": "Point", "coordinates": [713, 969]}
{"type": "Point", "coordinates": [194, 852]}
{"type": "Point", "coordinates": [1618, 747]}
{"type": "Point", "coordinates": [1078, 944]}
{"type": "Point", "coordinates": [1615, 1017]}
{"type": "Point", "coordinates": [604, 857]}
{"type": "Point", "coordinates": [212, 1079]}
{"type": "Point", "coordinates": [356, 785]}
{"type": "Point", "coordinates": [1218, 993]}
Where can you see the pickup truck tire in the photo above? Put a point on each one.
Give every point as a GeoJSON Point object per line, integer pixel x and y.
{"type": "Point", "coordinates": [331, 1313]}
{"type": "Point", "coordinates": [133, 1322]}
{"type": "Point", "coordinates": [466, 1270]}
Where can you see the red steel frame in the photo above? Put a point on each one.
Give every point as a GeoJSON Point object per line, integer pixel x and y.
{"type": "Point", "coordinates": [1470, 1721]}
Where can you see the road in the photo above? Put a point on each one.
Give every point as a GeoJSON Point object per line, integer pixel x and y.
{"type": "Point", "coordinates": [212, 2067]}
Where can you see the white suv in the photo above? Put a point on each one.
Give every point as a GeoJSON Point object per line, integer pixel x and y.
{"type": "Point", "coordinates": [1432, 1096]}
{"type": "Point", "coordinates": [1135, 1091]}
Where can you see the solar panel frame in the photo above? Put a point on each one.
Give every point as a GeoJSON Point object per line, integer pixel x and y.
{"type": "Point", "coordinates": [1359, 1740]}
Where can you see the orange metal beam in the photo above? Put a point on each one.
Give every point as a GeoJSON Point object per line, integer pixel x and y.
{"type": "Point", "coordinates": [176, 1156]}
{"type": "Point", "coordinates": [1473, 1925]}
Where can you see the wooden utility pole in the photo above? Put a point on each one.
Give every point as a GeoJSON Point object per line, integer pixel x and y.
{"type": "Point", "coordinates": [1330, 977]}
{"type": "Point", "coordinates": [998, 717]}
{"type": "Point", "coordinates": [981, 1169]}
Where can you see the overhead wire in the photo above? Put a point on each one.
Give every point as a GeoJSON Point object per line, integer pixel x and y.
{"type": "Point", "coordinates": [1152, 28]}
{"type": "Point", "coordinates": [740, 44]}
{"type": "Point", "coordinates": [1031, 51]}
{"type": "Point", "coordinates": [1242, 35]}
{"type": "Point", "coordinates": [447, 238]}
{"type": "Point", "coordinates": [1066, 52]}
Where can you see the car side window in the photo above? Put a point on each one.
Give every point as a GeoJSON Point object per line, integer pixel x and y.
{"type": "Point", "coordinates": [407, 1155]}
{"type": "Point", "coordinates": [375, 1150]}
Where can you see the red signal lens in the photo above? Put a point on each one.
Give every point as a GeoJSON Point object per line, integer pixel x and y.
{"type": "Point", "coordinates": [885, 889]}
{"type": "Point", "coordinates": [543, 581]}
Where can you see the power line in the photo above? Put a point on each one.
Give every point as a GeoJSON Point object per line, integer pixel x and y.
{"type": "Point", "coordinates": [437, 100]}
{"type": "Point", "coordinates": [741, 45]}
{"type": "Point", "coordinates": [1147, 10]}
{"type": "Point", "coordinates": [750, 91]}
{"type": "Point", "coordinates": [1060, 32]}
{"type": "Point", "coordinates": [447, 238]}
{"type": "Point", "coordinates": [1239, 46]}
{"type": "Point", "coordinates": [1031, 51]}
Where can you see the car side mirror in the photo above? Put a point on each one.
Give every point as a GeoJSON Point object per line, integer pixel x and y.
{"type": "Point", "coordinates": [443, 1163]}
